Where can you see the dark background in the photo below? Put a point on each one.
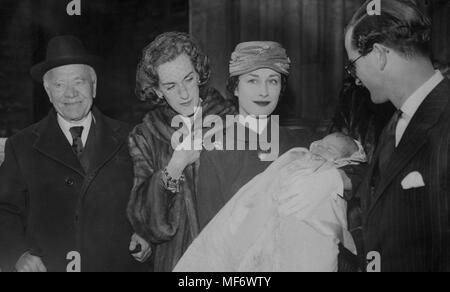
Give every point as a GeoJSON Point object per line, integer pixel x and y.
{"type": "Point", "coordinates": [118, 30]}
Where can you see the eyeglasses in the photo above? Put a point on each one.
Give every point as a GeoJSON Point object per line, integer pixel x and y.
{"type": "Point", "coordinates": [351, 68]}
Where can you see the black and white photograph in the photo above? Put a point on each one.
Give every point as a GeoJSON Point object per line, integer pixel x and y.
{"type": "Point", "coordinates": [205, 137]}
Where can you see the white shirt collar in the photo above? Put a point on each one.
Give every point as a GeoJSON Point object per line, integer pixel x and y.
{"type": "Point", "coordinates": [256, 124]}
{"type": "Point", "coordinates": [85, 123]}
{"type": "Point", "coordinates": [412, 104]}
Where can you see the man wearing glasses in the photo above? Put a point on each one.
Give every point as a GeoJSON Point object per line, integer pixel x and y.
{"type": "Point", "coordinates": [405, 195]}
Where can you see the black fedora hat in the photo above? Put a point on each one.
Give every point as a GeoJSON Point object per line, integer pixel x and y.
{"type": "Point", "coordinates": [61, 51]}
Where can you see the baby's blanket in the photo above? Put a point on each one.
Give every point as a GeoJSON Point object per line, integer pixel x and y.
{"type": "Point", "coordinates": [289, 218]}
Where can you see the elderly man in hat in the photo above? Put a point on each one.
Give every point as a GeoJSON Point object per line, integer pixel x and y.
{"type": "Point", "coordinates": [65, 181]}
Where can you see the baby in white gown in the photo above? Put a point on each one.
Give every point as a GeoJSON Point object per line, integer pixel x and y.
{"type": "Point", "coordinates": [290, 218]}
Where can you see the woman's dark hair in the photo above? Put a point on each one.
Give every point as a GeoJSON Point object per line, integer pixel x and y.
{"type": "Point", "coordinates": [233, 83]}
{"type": "Point", "coordinates": [402, 26]}
{"type": "Point", "coordinates": [166, 48]}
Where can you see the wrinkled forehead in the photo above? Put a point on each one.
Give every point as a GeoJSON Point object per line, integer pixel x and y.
{"type": "Point", "coordinates": [71, 71]}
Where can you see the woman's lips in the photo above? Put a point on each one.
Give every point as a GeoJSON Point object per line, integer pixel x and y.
{"type": "Point", "coordinates": [188, 103]}
{"type": "Point", "coordinates": [262, 103]}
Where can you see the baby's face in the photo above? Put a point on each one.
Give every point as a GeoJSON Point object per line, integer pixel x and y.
{"type": "Point", "coordinates": [332, 147]}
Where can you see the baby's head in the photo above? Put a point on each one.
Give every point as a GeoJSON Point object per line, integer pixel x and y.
{"type": "Point", "coordinates": [335, 146]}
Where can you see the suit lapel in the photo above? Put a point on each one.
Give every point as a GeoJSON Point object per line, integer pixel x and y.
{"type": "Point", "coordinates": [52, 143]}
{"type": "Point", "coordinates": [415, 137]}
{"type": "Point", "coordinates": [365, 192]}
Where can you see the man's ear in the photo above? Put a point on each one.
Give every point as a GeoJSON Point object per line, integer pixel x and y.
{"type": "Point", "coordinates": [94, 88]}
{"type": "Point", "coordinates": [47, 89]}
{"type": "Point", "coordinates": [381, 56]}
{"type": "Point", "coordinates": [94, 83]}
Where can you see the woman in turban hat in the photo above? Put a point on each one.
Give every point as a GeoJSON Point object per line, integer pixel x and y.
{"type": "Point", "coordinates": [258, 79]}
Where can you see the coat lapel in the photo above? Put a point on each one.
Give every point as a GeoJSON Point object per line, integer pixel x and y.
{"type": "Point", "coordinates": [415, 137]}
{"type": "Point", "coordinates": [105, 142]}
{"type": "Point", "coordinates": [52, 143]}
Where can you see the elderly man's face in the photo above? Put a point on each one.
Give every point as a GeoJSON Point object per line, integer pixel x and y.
{"type": "Point", "coordinates": [71, 89]}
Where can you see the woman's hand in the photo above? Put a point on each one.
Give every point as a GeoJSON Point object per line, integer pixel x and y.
{"type": "Point", "coordinates": [140, 248]}
{"type": "Point", "coordinates": [180, 160]}
{"type": "Point", "coordinates": [183, 158]}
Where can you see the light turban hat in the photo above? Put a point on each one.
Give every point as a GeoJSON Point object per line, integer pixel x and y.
{"type": "Point", "coordinates": [251, 56]}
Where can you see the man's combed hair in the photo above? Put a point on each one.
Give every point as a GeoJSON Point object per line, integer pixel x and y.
{"type": "Point", "coordinates": [166, 48]}
{"type": "Point", "coordinates": [402, 26]}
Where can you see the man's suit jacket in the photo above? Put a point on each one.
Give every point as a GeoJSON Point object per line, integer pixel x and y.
{"type": "Point", "coordinates": [410, 228]}
{"type": "Point", "coordinates": [50, 206]}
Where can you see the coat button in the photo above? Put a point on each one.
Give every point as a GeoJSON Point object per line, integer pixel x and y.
{"type": "Point", "coordinates": [70, 182]}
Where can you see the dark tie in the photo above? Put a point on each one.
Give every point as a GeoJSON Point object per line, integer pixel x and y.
{"type": "Point", "coordinates": [387, 148]}
{"type": "Point", "coordinates": [388, 145]}
{"type": "Point", "coordinates": [77, 145]}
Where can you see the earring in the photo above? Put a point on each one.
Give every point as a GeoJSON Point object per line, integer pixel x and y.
{"type": "Point", "coordinates": [158, 95]}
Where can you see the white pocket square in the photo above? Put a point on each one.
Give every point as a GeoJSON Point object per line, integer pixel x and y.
{"type": "Point", "coordinates": [414, 180]}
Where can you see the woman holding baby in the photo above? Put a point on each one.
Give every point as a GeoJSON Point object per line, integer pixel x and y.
{"type": "Point", "coordinates": [258, 79]}
{"type": "Point", "coordinates": [251, 214]}
{"type": "Point", "coordinates": [290, 218]}
{"type": "Point", "coordinates": [177, 193]}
